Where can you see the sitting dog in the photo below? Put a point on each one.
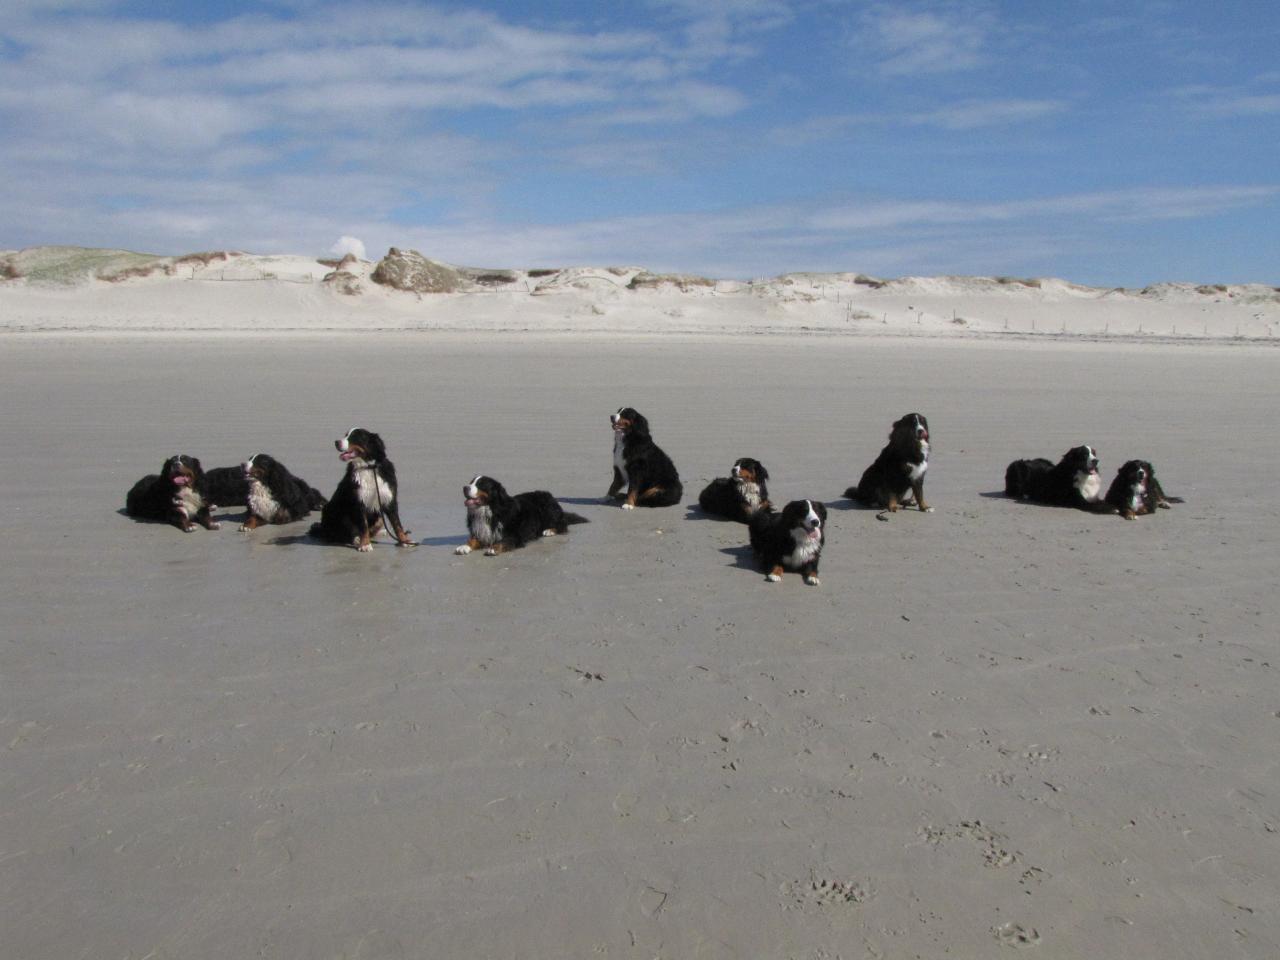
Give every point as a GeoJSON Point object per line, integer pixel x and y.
{"type": "Point", "coordinates": [274, 494]}
{"type": "Point", "coordinates": [897, 474]}
{"type": "Point", "coordinates": [1135, 491]}
{"type": "Point", "coordinates": [367, 497]}
{"type": "Point", "coordinates": [790, 540]}
{"type": "Point", "coordinates": [1072, 482]}
{"type": "Point", "coordinates": [500, 522]}
{"type": "Point", "coordinates": [739, 495]}
{"type": "Point", "coordinates": [177, 494]}
{"type": "Point", "coordinates": [640, 465]}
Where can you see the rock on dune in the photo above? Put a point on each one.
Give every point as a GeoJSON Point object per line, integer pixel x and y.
{"type": "Point", "coordinates": [409, 270]}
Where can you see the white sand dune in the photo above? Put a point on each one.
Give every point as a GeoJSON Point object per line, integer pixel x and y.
{"type": "Point", "coordinates": [64, 288]}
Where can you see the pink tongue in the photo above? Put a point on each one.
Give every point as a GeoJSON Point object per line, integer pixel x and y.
{"type": "Point", "coordinates": [815, 534]}
{"type": "Point", "coordinates": [470, 502]}
{"type": "Point", "coordinates": [181, 480]}
{"type": "Point", "coordinates": [349, 455]}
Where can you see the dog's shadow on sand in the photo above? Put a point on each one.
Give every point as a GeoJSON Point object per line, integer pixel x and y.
{"type": "Point", "coordinates": [851, 506]}
{"type": "Point", "coordinates": [694, 512]}
{"type": "Point", "coordinates": [744, 558]}
{"type": "Point", "coordinates": [590, 501]}
{"type": "Point", "coordinates": [1001, 495]}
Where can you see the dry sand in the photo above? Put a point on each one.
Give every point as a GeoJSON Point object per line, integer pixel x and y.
{"type": "Point", "coordinates": [994, 726]}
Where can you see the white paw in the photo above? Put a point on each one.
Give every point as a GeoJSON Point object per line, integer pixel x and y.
{"type": "Point", "coordinates": [189, 528]}
{"type": "Point", "coordinates": [773, 578]}
{"type": "Point", "coordinates": [548, 533]}
{"type": "Point", "coordinates": [928, 509]}
{"type": "Point", "coordinates": [628, 506]}
{"type": "Point", "coordinates": [243, 529]}
{"type": "Point", "coordinates": [812, 581]}
{"type": "Point", "coordinates": [215, 526]}
{"type": "Point", "coordinates": [462, 551]}
{"type": "Point", "coordinates": [491, 552]}
{"type": "Point", "coordinates": [365, 547]}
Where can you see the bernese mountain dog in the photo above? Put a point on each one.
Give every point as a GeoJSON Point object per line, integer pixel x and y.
{"type": "Point", "coordinates": [1135, 491]}
{"type": "Point", "coordinates": [639, 465]}
{"type": "Point", "coordinates": [790, 540]}
{"type": "Point", "coordinates": [499, 522]}
{"type": "Point", "coordinates": [1072, 482]}
{"type": "Point", "coordinates": [226, 487]}
{"type": "Point", "coordinates": [739, 495]}
{"type": "Point", "coordinates": [897, 475]}
{"type": "Point", "coordinates": [367, 497]}
{"type": "Point", "coordinates": [178, 494]}
{"type": "Point", "coordinates": [274, 494]}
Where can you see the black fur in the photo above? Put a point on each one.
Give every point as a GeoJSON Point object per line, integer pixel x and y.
{"type": "Point", "coordinates": [782, 541]}
{"type": "Point", "coordinates": [274, 494]}
{"type": "Point", "coordinates": [650, 477]}
{"type": "Point", "coordinates": [739, 495]}
{"type": "Point", "coordinates": [178, 495]}
{"type": "Point", "coordinates": [366, 497]}
{"type": "Point", "coordinates": [227, 487]}
{"type": "Point", "coordinates": [498, 521]}
{"type": "Point", "coordinates": [897, 475]}
{"type": "Point", "coordinates": [1135, 491]}
{"type": "Point", "coordinates": [1061, 485]}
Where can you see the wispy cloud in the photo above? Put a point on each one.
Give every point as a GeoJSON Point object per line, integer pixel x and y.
{"type": "Point", "coordinates": [960, 116]}
{"type": "Point", "coordinates": [913, 41]}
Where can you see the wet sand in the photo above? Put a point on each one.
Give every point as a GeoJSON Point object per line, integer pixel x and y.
{"type": "Point", "coordinates": [994, 724]}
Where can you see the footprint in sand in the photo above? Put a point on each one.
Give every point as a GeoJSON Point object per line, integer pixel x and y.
{"type": "Point", "coordinates": [1016, 935]}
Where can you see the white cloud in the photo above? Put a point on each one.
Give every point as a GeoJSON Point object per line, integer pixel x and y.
{"type": "Point", "coordinates": [346, 245]}
{"type": "Point", "coordinates": [904, 42]}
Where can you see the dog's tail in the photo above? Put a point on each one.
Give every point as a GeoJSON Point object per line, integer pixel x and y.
{"type": "Point", "coordinates": [852, 494]}
{"type": "Point", "coordinates": [315, 499]}
{"type": "Point", "coordinates": [1174, 500]}
{"type": "Point", "coordinates": [316, 531]}
{"type": "Point", "coordinates": [572, 518]}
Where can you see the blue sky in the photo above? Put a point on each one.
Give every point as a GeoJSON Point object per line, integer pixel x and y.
{"type": "Point", "coordinates": [1106, 143]}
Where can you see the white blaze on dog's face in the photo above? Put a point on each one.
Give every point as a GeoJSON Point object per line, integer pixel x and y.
{"type": "Point", "coordinates": [1087, 479]}
{"type": "Point", "coordinates": [812, 522]}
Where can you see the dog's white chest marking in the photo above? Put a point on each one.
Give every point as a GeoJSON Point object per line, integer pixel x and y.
{"type": "Point", "coordinates": [916, 471]}
{"type": "Point", "coordinates": [806, 549]}
{"type": "Point", "coordinates": [1137, 497]}
{"type": "Point", "coordinates": [1089, 485]}
{"type": "Point", "coordinates": [619, 441]}
{"type": "Point", "coordinates": [188, 500]}
{"type": "Point", "coordinates": [480, 523]}
{"type": "Point", "coordinates": [373, 491]}
{"type": "Point", "coordinates": [750, 493]}
{"type": "Point", "coordinates": [261, 503]}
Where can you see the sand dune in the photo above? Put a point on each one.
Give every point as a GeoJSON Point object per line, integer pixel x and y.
{"type": "Point", "coordinates": [63, 288]}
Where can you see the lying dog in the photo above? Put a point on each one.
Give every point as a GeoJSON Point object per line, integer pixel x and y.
{"type": "Point", "coordinates": [640, 465]}
{"type": "Point", "coordinates": [1072, 482]}
{"type": "Point", "coordinates": [1135, 491]}
{"type": "Point", "coordinates": [500, 522]}
{"type": "Point", "coordinates": [897, 474]}
{"type": "Point", "coordinates": [177, 494]}
{"type": "Point", "coordinates": [790, 540]}
{"type": "Point", "coordinates": [274, 494]}
{"type": "Point", "coordinates": [367, 497]}
{"type": "Point", "coordinates": [739, 495]}
{"type": "Point", "coordinates": [226, 487]}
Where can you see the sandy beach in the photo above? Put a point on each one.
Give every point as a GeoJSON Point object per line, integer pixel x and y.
{"type": "Point", "coordinates": [994, 726]}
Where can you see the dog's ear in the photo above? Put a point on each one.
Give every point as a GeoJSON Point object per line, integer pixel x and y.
{"type": "Point", "coordinates": [195, 465]}
{"type": "Point", "coordinates": [376, 447]}
{"type": "Point", "coordinates": [761, 472]}
{"type": "Point", "coordinates": [639, 423]}
{"type": "Point", "coordinates": [821, 510]}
